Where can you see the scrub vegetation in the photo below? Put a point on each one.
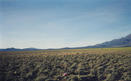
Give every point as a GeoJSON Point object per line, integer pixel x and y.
{"type": "Point", "coordinates": [93, 64]}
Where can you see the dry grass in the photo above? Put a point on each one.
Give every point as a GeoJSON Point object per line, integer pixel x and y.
{"type": "Point", "coordinates": [94, 64]}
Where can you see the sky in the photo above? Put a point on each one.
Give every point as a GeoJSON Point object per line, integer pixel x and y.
{"type": "Point", "coordinates": [62, 23]}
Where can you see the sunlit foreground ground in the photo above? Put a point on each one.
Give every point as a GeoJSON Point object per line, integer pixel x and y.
{"type": "Point", "coordinates": [98, 64]}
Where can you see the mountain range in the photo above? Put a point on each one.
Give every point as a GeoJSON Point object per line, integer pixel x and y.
{"type": "Point", "coordinates": [17, 49]}
{"type": "Point", "coordinates": [121, 42]}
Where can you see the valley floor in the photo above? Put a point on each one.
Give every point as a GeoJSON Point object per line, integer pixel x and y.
{"type": "Point", "coordinates": [94, 64]}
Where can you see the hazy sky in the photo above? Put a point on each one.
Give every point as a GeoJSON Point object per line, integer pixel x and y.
{"type": "Point", "coordinates": [62, 23]}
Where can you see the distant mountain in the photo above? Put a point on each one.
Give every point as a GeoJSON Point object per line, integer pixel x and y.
{"type": "Point", "coordinates": [30, 49]}
{"type": "Point", "coordinates": [10, 49]}
{"type": "Point", "coordinates": [16, 49]}
{"type": "Point", "coordinates": [122, 42]}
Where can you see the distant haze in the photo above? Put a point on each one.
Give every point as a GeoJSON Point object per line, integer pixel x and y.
{"type": "Point", "coordinates": [62, 23]}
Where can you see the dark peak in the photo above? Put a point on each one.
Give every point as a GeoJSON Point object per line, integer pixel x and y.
{"type": "Point", "coordinates": [12, 48]}
{"type": "Point", "coordinates": [17, 49]}
{"type": "Point", "coordinates": [65, 48]}
{"type": "Point", "coordinates": [128, 36]}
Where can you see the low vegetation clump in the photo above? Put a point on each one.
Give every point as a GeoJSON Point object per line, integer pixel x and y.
{"type": "Point", "coordinates": [98, 64]}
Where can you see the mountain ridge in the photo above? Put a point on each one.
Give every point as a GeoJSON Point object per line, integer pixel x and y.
{"type": "Point", "coordinates": [18, 49]}
{"type": "Point", "coordinates": [121, 42]}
